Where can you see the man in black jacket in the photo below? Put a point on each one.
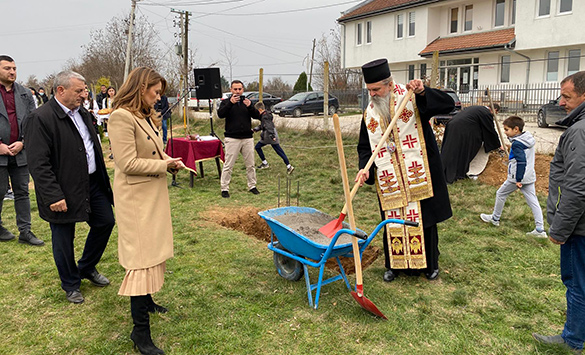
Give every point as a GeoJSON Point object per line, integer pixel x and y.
{"type": "Point", "coordinates": [71, 181]}
{"type": "Point", "coordinates": [238, 113]}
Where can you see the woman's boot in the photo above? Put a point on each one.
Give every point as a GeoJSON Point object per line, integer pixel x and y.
{"type": "Point", "coordinates": [155, 308]}
{"type": "Point", "coordinates": [141, 333]}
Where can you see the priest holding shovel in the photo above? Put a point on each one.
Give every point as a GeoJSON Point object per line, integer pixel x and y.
{"type": "Point", "coordinates": [407, 171]}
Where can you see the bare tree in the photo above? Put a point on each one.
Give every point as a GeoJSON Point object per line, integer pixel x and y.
{"type": "Point", "coordinates": [276, 84]}
{"type": "Point", "coordinates": [229, 55]}
{"type": "Point", "coordinates": [104, 55]}
{"type": "Point", "coordinates": [329, 49]}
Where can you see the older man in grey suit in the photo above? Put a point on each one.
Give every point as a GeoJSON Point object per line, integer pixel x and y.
{"type": "Point", "coordinates": [15, 104]}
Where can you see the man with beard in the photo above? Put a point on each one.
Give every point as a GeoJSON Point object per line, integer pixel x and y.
{"type": "Point", "coordinates": [407, 172]}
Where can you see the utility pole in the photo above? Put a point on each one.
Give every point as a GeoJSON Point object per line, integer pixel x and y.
{"type": "Point", "coordinates": [311, 71]}
{"type": "Point", "coordinates": [261, 85]}
{"type": "Point", "coordinates": [184, 25]}
{"type": "Point", "coordinates": [129, 44]}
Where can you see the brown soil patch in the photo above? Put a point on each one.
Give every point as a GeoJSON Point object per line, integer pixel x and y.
{"type": "Point", "coordinates": [496, 171]}
{"type": "Point", "coordinates": [247, 220]}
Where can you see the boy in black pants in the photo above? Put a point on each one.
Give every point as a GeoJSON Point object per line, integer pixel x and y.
{"type": "Point", "coordinates": [269, 136]}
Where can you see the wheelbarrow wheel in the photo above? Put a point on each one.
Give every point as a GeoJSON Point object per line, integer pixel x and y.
{"type": "Point", "coordinates": [288, 268]}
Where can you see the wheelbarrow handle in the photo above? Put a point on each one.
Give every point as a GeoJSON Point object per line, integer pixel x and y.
{"type": "Point", "coordinates": [411, 223]}
{"type": "Point", "coordinates": [360, 234]}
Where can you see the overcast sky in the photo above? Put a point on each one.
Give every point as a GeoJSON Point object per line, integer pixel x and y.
{"type": "Point", "coordinates": [277, 35]}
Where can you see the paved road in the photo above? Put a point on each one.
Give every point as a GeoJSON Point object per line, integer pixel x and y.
{"type": "Point", "coordinates": [546, 138]}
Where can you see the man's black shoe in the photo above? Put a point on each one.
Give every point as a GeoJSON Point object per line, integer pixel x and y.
{"type": "Point", "coordinates": [74, 296]}
{"type": "Point", "coordinates": [5, 234]}
{"type": "Point", "coordinates": [225, 194]}
{"type": "Point", "coordinates": [254, 191]}
{"type": "Point", "coordinates": [97, 279]}
{"type": "Point", "coordinates": [389, 276]}
{"type": "Point", "coordinates": [555, 339]}
{"type": "Point", "coordinates": [432, 275]}
{"type": "Point", "coordinates": [29, 238]}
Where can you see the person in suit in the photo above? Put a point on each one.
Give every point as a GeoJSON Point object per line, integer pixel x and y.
{"type": "Point", "coordinates": [145, 234]}
{"type": "Point", "coordinates": [16, 102]}
{"type": "Point", "coordinates": [71, 181]}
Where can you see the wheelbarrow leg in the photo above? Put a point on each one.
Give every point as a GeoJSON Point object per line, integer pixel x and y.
{"type": "Point", "coordinates": [319, 283]}
{"type": "Point", "coordinates": [308, 283]}
{"type": "Point", "coordinates": [342, 272]}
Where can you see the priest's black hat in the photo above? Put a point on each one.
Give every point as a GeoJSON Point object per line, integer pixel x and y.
{"type": "Point", "coordinates": [376, 70]}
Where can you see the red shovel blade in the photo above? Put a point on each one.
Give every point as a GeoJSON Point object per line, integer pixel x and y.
{"type": "Point", "coordinates": [332, 227]}
{"type": "Point", "coordinates": [366, 303]}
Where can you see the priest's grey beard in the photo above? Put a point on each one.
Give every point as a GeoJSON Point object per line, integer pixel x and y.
{"type": "Point", "coordinates": [382, 106]}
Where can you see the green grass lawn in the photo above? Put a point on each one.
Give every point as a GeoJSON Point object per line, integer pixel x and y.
{"type": "Point", "coordinates": [496, 287]}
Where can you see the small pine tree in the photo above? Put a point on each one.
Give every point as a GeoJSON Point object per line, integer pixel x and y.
{"type": "Point", "coordinates": [301, 84]}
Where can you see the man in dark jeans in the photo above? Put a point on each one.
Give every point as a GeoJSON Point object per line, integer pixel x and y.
{"type": "Point", "coordinates": [71, 182]}
{"type": "Point", "coordinates": [162, 106]}
{"type": "Point", "coordinates": [16, 103]}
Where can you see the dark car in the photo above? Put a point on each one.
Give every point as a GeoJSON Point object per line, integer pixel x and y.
{"type": "Point", "coordinates": [306, 102]}
{"type": "Point", "coordinates": [269, 100]}
{"type": "Point", "coordinates": [550, 113]}
{"type": "Point", "coordinates": [443, 119]}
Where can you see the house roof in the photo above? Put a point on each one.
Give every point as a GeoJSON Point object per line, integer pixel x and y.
{"type": "Point", "coordinates": [374, 7]}
{"type": "Point", "coordinates": [470, 43]}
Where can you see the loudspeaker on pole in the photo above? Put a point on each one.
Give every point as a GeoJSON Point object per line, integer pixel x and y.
{"type": "Point", "coordinates": [207, 83]}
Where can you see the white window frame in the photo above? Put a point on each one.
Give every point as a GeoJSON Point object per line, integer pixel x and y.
{"type": "Point", "coordinates": [565, 12]}
{"type": "Point", "coordinates": [413, 23]}
{"type": "Point", "coordinates": [399, 22]}
{"type": "Point", "coordinates": [538, 4]}
{"type": "Point", "coordinates": [548, 61]}
{"type": "Point", "coordinates": [465, 18]}
{"type": "Point", "coordinates": [513, 12]}
{"type": "Point", "coordinates": [496, 14]}
{"type": "Point", "coordinates": [451, 20]}
{"type": "Point", "coordinates": [578, 58]}
{"type": "Point", "coordinates": [508, 68]}
{"type": "Point", "coordinates": [358, 34]}
{"type": "Point", "coordinates": [368, 32]}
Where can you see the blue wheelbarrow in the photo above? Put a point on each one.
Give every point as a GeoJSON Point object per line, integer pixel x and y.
{"type": "Point", "coordinates": [293, 252]}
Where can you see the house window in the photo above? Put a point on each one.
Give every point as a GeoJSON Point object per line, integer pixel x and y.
{"type": "Point", "coordinates": [358, 34]}
{"type": "Point", "coordinates": [552, 68]}
{"type": "Point", "coordinates": [573, 62]}
{"type": "Point", "coordinates": [423, 71]}
{"type": "Point", "coordinates": [454, 16]}
{"type": "Point", "coordinates": [513, 12]}
{"type": "Point", "coordinates": [500, 11]}
{"type": "Point", "coordinates": [369, 32]}
{"type": "Point", "coordinates": [505, 69]}
{"type": "Point", "coordinates": [411, 24]}
{"type": "Point", "coordinates": [399, 26]}
{"type": "Point", "coordinates": [565, 6]}
{"type": "Point", "coordinates": [411, 72]}
{"type": "Point", "coordinates": [543, 7]}
{"type": "Point", "coordinates": [468, 18]}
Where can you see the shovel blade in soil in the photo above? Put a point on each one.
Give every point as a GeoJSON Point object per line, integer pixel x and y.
{"type": "Point", "coordinates": [332, 227]}
{"type": "Point", "coordinates": [367, 305]}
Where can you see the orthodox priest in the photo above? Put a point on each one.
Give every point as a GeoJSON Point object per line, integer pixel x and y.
{"type": "Point", "coordinates": [407, 172]}
{"type": "Point", "coordinates": [464, 136]}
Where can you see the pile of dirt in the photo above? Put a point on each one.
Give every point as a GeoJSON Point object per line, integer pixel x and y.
{"type": "Point", "coordinates": [496, 171]}
{"type": "Point", "coordinates": [247, 220]}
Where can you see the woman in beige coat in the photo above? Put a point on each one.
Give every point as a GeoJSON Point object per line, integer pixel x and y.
{"type": "Point", "coordinates": [141, 197]}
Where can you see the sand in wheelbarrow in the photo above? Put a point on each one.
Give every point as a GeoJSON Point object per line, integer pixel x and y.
{"type": "Point", "coordinates": [247, 220]}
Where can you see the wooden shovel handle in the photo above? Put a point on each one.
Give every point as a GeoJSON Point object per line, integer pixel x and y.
{"type": "Point", "coordinates": [380, 143]}
{"type": "Point", "coordinates": [496, 122]}
{"type": "Point", "coordinates": [347, 194]}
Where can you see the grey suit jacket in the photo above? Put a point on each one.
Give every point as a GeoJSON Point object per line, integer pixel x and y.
{"type": "Point", "coordinates": [24, 105]}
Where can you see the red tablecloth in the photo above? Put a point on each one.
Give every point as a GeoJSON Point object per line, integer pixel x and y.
{"type": "Point", "coordinates": [193, 152]}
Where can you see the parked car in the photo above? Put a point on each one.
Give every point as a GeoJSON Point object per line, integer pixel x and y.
{"type": "Point", "coordinates": [443, 119]}
{"type": "Point", "coordinates": [195, 103]}
{"type": "Point", "coordinates": [305, 102]}
{"type": "Point", "coordinates": [269, 100]}
{"type": "Point", "coordinates": [550, 113]}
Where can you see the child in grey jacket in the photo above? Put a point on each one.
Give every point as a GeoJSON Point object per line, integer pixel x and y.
{"type": "Point", "coordinates": [521, 175]}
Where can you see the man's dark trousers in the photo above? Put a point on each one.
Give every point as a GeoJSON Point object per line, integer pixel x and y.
{"type": "Point", "coordinates": [19, 179]}
{"type": "Point", "coordinates": [101, 222]}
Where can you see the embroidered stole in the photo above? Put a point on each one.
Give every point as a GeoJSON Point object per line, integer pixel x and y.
{"type": "Point", "coordinates": [402, 179]}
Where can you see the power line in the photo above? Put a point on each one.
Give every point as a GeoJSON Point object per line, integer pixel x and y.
{"type": "Point", "coordinates": [279, 12]}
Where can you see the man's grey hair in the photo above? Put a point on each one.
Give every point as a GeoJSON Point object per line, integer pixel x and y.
{"type": "Point", "coordinates": [388, 80]}
{"type": "Point", "coordinates": [64, 79]}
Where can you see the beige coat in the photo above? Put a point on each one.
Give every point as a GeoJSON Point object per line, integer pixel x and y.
{"type": "Point", "coordinates": [141, 196]}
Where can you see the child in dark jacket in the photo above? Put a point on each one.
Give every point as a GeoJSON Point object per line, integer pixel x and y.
{"type": "Point", "coordinates": [269, 136]}
{"type": "Point", "coordinates": [521, 175]}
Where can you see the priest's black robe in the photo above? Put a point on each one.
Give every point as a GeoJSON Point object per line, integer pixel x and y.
{"type": "Point", "coordinates": [463, 137]}
{"type": "Point", "coordinates": [433, 209]}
